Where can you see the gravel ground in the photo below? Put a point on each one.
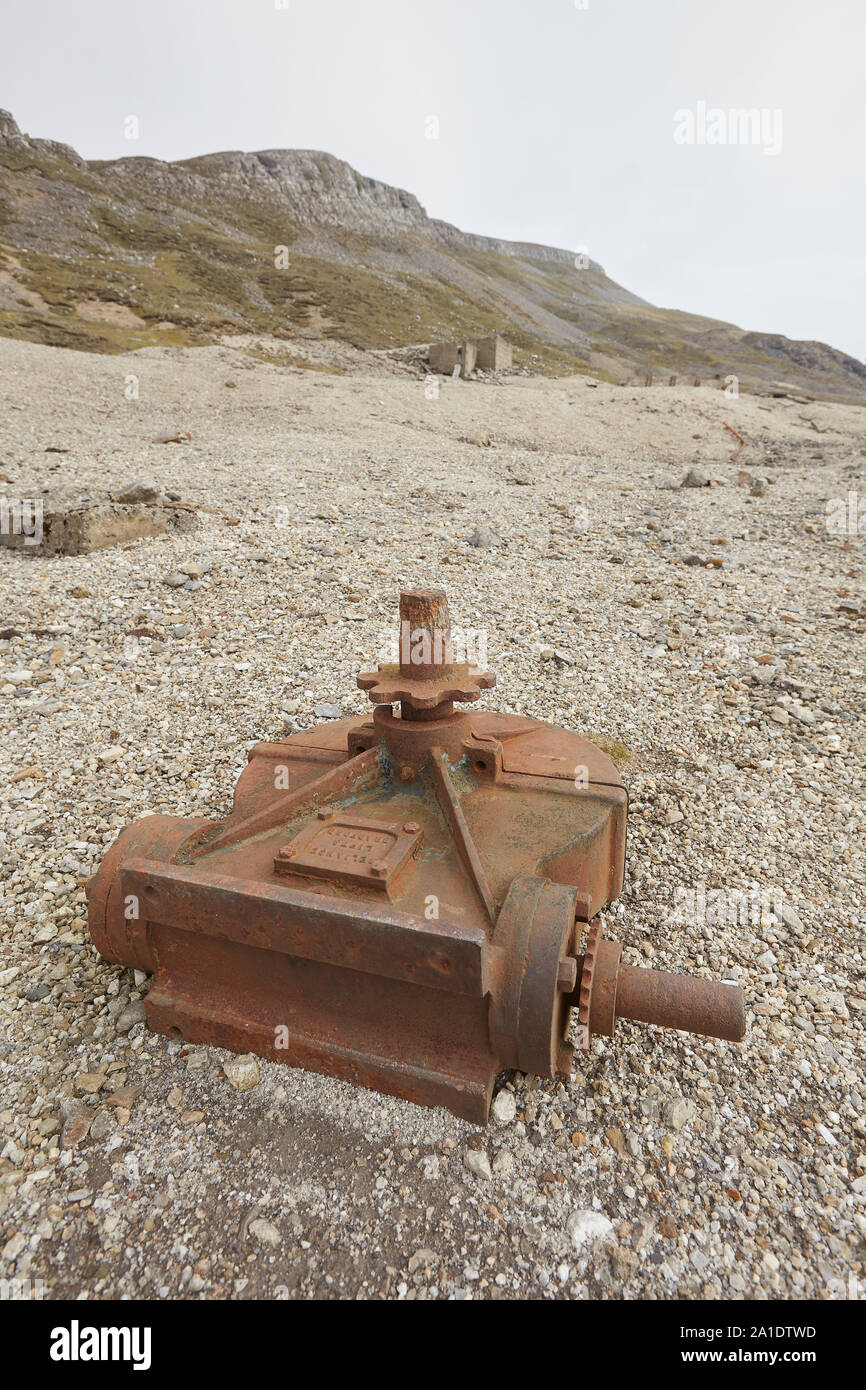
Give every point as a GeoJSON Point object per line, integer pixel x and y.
{"type": "Point", "coordinates": [714, 632]}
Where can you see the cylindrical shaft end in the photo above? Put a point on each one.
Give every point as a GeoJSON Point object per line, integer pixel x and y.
{"type": "Point", "coordinates": [425, 634]}
{"type": "Point", "coordinates": [681, 1001]}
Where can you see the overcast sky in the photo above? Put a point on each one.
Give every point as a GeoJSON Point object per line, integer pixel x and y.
{"type": "Point", "coordinates": [556, 123]}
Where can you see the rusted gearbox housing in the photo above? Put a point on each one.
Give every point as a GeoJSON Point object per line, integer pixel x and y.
{"type": "Point", "coordinates": [409, 902]}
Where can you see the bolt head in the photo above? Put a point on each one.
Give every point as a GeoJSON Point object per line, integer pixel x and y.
{"type": "Point", "coordinates": [566, 975]}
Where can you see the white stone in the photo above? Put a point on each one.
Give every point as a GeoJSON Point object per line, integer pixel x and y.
{"type": "Point", "coordinates": [504, 1108]}
{"type": "Point", "coordinates": [265, 1233]}
{"type": "Point", "coordinates": [679, 1113]}
{"type": "Point", "coordinates": [477, 1162]}
{"type": "Point", "coordinates": [243, 1072]}
{"type": "Point", "coordinates": [586, 1227]}
{"type": "Point", "coordinates": [12, 1249]}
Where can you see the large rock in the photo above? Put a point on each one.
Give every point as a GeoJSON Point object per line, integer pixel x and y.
{"type": "Point", "coordinates": [485, 539]}
{"type": "Point", "coordinates": [76, 525]}
{"type": "Point", "coordinates": [142, 490]}
{"type": "Point", "coordinates": [695, 478]}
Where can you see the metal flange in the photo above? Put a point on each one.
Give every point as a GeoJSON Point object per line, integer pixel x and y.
{"type": "Point", "coordinates": [532, 992]}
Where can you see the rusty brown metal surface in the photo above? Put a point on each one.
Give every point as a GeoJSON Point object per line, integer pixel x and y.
{"type": "Point", "coordinates": [426, 679]}
{"type": "Point", "coordinates": [349, 849]}
{"type": "Point", "coordinates": [529, 1008]}
{"type": "Point", "coordinates": [409, 902]}
{"type": "Point", "coordinates": [609, 990]}
{"type": "Point", "coordinates": [425, 646]}
{"type": "Point", "coordinates": [679, 1001]}
{"type": "Point", "coordinates": [450, 803]}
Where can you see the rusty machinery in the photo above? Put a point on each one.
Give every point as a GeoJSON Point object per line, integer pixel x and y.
{"type": "Point", "coordinates": [409, 902]}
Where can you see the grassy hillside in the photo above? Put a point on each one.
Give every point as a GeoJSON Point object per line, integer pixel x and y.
{"type": "Point", "coordinates": [108, 256]}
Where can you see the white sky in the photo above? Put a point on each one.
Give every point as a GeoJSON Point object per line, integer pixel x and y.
{"type": "Point", "coordinates": [556, 123]}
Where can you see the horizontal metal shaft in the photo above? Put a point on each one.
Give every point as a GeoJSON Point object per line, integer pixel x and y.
{"type": "Point", "coordinates": [681, 1001]}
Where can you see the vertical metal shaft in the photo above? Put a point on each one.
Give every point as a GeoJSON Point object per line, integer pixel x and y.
{"type": "Point", "coordinates": [425, 634]}
{"type": "Point", "coordinates": [425, 646]}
